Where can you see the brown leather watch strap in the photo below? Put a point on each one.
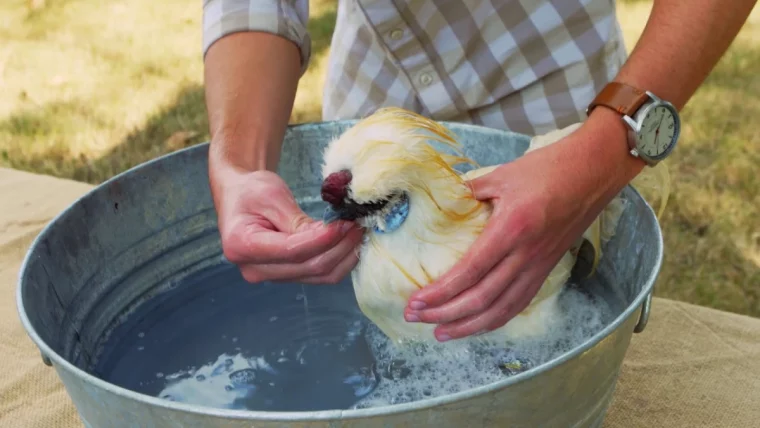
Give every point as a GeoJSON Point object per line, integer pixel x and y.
{"type": "Point", "coordinates": [620, 97]}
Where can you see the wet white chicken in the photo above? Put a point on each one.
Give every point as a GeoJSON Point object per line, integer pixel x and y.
{"type": "Point", "coordinates": [421, 217]}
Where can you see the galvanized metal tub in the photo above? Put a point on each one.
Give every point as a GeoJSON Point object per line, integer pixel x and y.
{"type": "Point", "coordinates": [144, 230]}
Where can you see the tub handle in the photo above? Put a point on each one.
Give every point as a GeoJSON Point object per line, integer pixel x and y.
{"type": "Point", "coordinates": [644, 316]}
{"type": "Point", "coordinates": [46, 359]}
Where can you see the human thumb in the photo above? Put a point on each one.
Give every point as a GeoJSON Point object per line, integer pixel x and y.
{"type": "Point", "coordinates": [295, 220]}
{"type": "Point", "coordinates": [481, 182]}
{"type": "Point", "coordinates": [288, 216]}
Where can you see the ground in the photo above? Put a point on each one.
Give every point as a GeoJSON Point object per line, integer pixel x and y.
{"type": "Point", "coordinates": [90, 88]}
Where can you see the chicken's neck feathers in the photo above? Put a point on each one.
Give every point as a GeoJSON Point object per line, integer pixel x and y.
{"type": "Point", "coordinates": [440, 217]}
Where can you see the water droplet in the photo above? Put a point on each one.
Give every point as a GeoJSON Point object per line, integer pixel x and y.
{"type": "Point", "coordinates": [200, 378]}
{"type": "Point", "coordinates": [273, 319]}
{"type": "Point", "coordinates": [159, 375]}
{"type": "Point", "coordinates": [234, 339]}
{"type": "Point", "coordinates": [140, 348]}
{"type": "Point", "coordinates": [141, 335]}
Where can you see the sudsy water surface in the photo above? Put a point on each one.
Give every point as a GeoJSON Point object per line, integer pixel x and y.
{"type": "Point", "coordinates": [218, 341]}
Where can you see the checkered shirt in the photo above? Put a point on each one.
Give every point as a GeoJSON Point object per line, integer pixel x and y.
{"type": "Point", "coordinates": [529, 66]}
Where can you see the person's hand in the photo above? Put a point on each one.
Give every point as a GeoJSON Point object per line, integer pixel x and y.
{"type": "Point", "coordinates": [269, 237]}
{"type": "Point", "coordinates": [542, 203]}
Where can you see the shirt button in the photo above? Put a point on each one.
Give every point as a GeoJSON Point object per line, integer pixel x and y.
{"type": "Point", "coordinates": [426, 79]}
{"type": "Point", "coordinates": [397, 34]}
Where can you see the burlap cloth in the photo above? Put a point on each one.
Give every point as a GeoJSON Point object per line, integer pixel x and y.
{"type": "Point", "coordinates": [691, 367]}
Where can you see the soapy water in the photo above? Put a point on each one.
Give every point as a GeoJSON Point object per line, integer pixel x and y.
{"type": "Point", "coordinates": [223, 343]}
{"type": "Point", "coordinates": [427, 371]}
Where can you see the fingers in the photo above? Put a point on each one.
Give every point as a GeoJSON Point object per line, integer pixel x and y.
{"type": "Point", "coordinates": [473, 300]}
{"type": "Point", "coordinates": [481, 187]}
{"type": "Point", "coordinates": [257, 245]}
{"type": "Point", "coordinates": [511, 302]}
{"type": "Point", "coordinates": [515, 298]}
{"type": "Point", "coordinates": [287, 216]}
{"type": "Point", "coordinates": [341, 270]}
{"type": "Point", "coordinates": [321, 265]}
{"type": "Point", "coordinates": [274, 201]}
{"type": "Point", "coordinates": [479, 259]}
{"type": "Point", "coordinates": [266, 233]}
{"type": "Point", "coordinates": [484, 185]}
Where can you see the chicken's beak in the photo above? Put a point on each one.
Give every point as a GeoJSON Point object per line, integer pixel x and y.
{"type": "Point", "coordinates": [343, 212]}
{"type": "Point", "coordinates": [330, 215]}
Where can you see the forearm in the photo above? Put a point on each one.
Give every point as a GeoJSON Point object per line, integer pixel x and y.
{"type": "Point", "coordinates": [680, 45]}
{"type": "Point", "coordinates": [251, 80]}
{"type": "Point", "coordinates": [682, 42]}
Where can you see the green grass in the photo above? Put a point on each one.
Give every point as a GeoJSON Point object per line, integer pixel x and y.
{"type": "Point", "coordinates": [90, 88]}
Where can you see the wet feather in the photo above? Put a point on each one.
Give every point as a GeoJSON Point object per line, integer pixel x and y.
{"type": "Point", "coordinates": [393, 152]}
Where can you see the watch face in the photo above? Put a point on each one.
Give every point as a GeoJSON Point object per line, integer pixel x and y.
{"type": "Point", "coordinates": [658, 133]}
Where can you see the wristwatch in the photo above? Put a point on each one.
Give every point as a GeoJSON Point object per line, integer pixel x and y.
{"type": "Point", "coordinates": [654, 124]}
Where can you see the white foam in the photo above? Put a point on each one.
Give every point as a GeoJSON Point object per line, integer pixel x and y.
{"type": "Point", "coordinates": [232, 378]}
{"type": "Point", "coordinates": [419, 372]}
{"type": "Point", "coordinates": [211, 385]}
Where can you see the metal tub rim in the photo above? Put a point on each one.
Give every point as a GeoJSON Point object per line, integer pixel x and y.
{"type": "Point", "coordinates": [49, 356]}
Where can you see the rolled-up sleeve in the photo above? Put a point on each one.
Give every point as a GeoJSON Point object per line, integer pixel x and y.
{"type": "Point", "coordinates": [286, 18]}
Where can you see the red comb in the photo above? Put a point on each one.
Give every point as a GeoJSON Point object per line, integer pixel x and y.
{"type": "Point", "coordinates": [335, 187]}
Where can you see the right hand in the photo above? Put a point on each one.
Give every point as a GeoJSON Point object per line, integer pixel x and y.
{"type": "Point", "coordinates": [270, 238]}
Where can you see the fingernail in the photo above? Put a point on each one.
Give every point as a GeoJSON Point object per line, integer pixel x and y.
{"type": "Point", "coordinates": [442, 337]}
{"type": "Point", "coordinates": [345, 227]}
{"type": "Point", "coordinates": [412, 318]}
{"type": "Point", "coordinates": [417, 305]}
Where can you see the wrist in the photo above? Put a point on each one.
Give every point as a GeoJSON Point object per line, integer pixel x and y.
{"type": "Point", "coordinates": [605, 141]}
{"type": "Point", "coordinates": [241, 156]}
{"type": "Point", "coordinates": [230, 165]}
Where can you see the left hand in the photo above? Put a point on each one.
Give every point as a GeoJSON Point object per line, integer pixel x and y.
{"type": "Point", "coordinates": [542, 202]}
